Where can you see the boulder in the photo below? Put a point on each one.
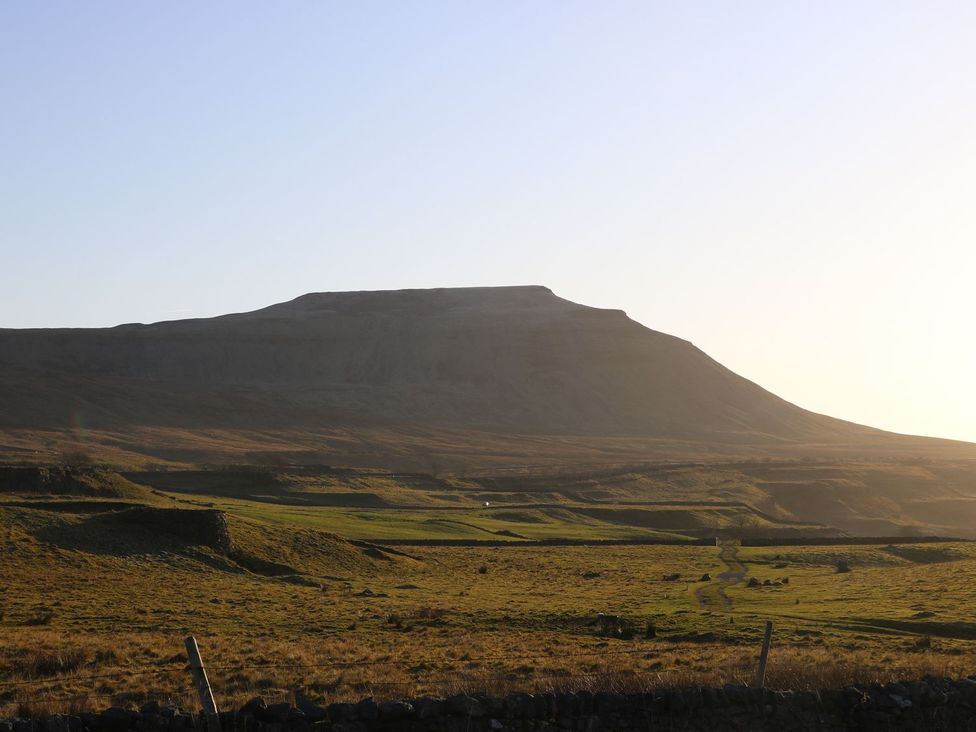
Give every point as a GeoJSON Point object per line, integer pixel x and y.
{"type": "Point", "coordinates": [255, 707]}
{"type": "Point", "coordinates": [276, 712]}
{"type": "Point", "coordinates": [464, 706]}
{"type": "Point", "coordinates": [396, 710]}
{"type": "Point", "coordinates": [313, 712]}
{"type": "Point", "coordinates": [55, 723]}
{"type": "Point", "coordinates": [116, 719]}
{"type": "Point", "coordinates": [429, 708]}
{"type": "Point", "coordinates": [368, 710]}
{"type": "Point", "coordinates": [341, 712]}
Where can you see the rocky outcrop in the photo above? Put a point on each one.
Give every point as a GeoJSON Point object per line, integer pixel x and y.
{"type": "Point", "coordinates": [201, 527]}
{"type": "Point", "coordinates": [62, 480]}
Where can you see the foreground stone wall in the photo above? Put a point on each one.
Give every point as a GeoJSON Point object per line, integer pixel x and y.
{"type": "Point", "coordinates": [932, 704]}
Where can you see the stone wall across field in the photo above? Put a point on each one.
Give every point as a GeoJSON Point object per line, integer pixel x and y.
{"type": "Point", "coordinates": [932, 704]}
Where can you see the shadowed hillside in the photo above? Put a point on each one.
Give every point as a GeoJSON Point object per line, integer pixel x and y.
{"type": "Point", "coordinates": [414, 370]}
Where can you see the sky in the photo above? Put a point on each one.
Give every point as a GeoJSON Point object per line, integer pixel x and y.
{"type": "Point", "coordinates": [791, 186]}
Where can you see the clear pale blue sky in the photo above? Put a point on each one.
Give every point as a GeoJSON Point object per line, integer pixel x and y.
{"type": "Point", "coordinates": [790, 185]}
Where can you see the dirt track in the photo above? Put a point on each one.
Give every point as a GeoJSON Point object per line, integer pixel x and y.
{"type": "Point", "coordinates": [711, 595]}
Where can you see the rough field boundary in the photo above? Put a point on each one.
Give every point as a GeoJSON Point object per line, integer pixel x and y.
{"type": "Point", "coordinates": [931, 704]}
{"type": "Point", "coordinates": [710, 541]}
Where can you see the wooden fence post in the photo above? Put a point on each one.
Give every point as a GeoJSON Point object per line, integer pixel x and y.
{"type": "Point", "coordinates": [764, 656]}
{"type": "Point", "coordinates": [203, 684]}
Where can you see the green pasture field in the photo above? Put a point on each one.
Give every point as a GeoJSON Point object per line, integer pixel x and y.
{"type": "Point", "coordinates": [495, 524]}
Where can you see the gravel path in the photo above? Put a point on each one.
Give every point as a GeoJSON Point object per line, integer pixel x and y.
{"type": "Point", "coordinates": [712, 595]}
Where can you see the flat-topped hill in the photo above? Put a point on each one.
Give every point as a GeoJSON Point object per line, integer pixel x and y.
{"type": "Point", "coordinates": [493, 361]}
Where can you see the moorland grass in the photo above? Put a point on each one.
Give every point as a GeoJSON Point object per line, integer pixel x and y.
{"type": "Point", "coordinates": [92, 616]}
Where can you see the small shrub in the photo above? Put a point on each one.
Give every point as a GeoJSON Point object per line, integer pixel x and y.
{"type": "Point", "coordinates": [843, 566]}
{"type": "Point", "coordinates": [483, 569]}
{"type": "Point", "coordinates": [47, 663]}
{"type": "Point", "coordinates": [43, 617]}
{"type": "Point", "coordinates": [76, 458]}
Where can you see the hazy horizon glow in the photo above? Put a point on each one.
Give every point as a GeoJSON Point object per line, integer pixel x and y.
{"type": "Point", "coordinates": [789, 186]}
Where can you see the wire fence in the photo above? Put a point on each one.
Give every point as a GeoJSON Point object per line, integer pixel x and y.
{"type": "Point", "coordinates": [176, 681]}
{"type": "Point", "coordinates": [463, 675]}
{"type": "Point", "coordinates": [449, 683]}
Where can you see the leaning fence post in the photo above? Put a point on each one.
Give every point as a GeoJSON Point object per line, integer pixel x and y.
{"type": "Point", "coordinates": [203, 684]}
{"type": "Point", "coordinates": [764, 656]}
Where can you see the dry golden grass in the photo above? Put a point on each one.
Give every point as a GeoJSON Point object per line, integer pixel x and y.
{"type": "Point", "coordinates": [92, 617]}
{"type": "Point", "coordinates": [132, 668]}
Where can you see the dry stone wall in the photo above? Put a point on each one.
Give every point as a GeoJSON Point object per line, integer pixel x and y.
{"type": "Point", "coordinates": [931, 704]}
